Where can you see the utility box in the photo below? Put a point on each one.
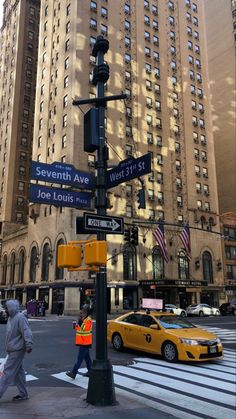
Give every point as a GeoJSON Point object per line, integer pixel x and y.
{"type": "Point", "coordinates": [95, 253]}
{"type": "Point", "coordinates": [69, 256]}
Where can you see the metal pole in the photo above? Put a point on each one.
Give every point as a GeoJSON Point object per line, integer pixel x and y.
{"type": "Point", "coordinates": [101, 384]}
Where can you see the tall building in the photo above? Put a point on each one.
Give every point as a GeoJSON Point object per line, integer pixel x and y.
{"type": "Point", "coordinates": [18, 67]}
{"type": "Point", "coordinates": [157, 56]}
{"type": "Point", "coordinates": [221, 44]}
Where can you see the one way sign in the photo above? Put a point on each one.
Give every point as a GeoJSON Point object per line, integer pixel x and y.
{"type": "Point", "coordinates": [114, 225]}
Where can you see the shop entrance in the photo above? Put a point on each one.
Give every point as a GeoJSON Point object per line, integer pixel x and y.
{"type": "Point", "coordinates": [58, 297]}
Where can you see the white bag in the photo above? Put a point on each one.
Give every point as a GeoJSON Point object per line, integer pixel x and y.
{"type": "Point", "coordinates": [2, 365]}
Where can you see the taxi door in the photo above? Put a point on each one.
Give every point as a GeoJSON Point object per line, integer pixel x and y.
{"type": "Point", "coordinates": [131, 330]}
{"type": "Point", "coordinates": [149, 339]}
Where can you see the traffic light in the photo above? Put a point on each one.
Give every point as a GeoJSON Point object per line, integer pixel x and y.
{"type": "Point", "coordinates": [134, 235]}
{"type": "Point", "coordinates": [127, 235]}
{"type": "Point", "coordinates": [69, 256]}
{"type": "Point", "coordinates": [141, 198]}
{"type": "Point", "coordinates": [95, 253]}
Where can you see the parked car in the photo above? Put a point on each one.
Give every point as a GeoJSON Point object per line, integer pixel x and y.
{"type": "Point", "coordinates": [171, 308]}
{"type": "Point", "coordinates": [3, 314]}
{"type": "Point", "coordinates": [202, 310]}
{"type": "Point", "coordinates": [166, 334]}
{"type": "Point", "coordinates": [228, 308]}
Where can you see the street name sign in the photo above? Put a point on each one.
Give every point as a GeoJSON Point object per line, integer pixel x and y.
{"type": "Point", "coordinates": [60, 197]}
{"type": "Point", "coordinates": [107, 224]}
{"type": "Point", "coordinates": [129, 169]}
{"type": "Point", "coordinates": [62, 173]}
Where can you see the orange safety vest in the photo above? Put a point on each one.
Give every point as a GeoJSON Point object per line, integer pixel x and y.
{"type": "Point", "coordinates": [84, 333]}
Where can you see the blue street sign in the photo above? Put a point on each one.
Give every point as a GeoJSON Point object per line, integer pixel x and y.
{"type": "Point", "coordinates": [62, 173]}
{"type": "Point", "coordinates": [59, 197]}
{"type": "Point", "coordinates": [129, 169]}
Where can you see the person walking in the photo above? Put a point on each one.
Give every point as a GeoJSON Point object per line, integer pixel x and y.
{"type": "Point", "coordinates": [83, 339]}
{"type": "Point", "coordinates": [18, 341]}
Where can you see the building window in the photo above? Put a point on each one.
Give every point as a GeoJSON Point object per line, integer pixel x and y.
{"type": "Point", "coordinates": [127, 25]}
{"type": "Point", "coordinates": [21, 267]}
{"type": "Point", "coordinates": [207, 267]}
{"type": "Point", "coordinates": [33, 263]}
{"type": "Point", "coordinates": [183, 265]}
{"type": "Point", "coordinates": [12, 267]}
{"type": "Point", "coordinates": [157, 264]}
{"type": "Point", "coordinates": [59, 272]}
{"type": "Point", "coordinates": [230, 252]}
{"type": "Point", "coordinates": [45, 262]}
{"type": "Point", "coordinates": [4, 270]}
{"type": "Point", "coordinates": [64, 121]}
{"type": "Point", "coordinates": [129, 263]}
{"type": "Point", "coordinates": [67, 45]}
{"type": "Point", "coordinates": [129, 211]}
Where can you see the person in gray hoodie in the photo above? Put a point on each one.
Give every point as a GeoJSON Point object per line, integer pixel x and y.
{"type": "Point", "coordinates": [18, 341]}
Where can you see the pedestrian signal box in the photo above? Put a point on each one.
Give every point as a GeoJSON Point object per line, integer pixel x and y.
{"type": "Point", "coordinates": [69, 256]}
{"type": "Point", "coordinates": [95, 253]}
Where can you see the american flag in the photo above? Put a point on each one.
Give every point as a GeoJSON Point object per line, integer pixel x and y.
{"type": "Point", "coordinates": [159, 236]}
{"type": "Point", "coordinates": [185, 238]}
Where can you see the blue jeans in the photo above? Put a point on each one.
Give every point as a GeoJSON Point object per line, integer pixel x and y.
{"type": "Point", "coordinates": [83, 354]}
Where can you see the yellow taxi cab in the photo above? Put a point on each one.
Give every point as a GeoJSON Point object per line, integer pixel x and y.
{"type": "Point", "coordinates": [163, 333]}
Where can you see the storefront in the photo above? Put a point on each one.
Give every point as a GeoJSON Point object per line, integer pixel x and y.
{"type": "Point", "coordinates": [121, 297]}
{"type": "Point", "coordinates": [179, 292]}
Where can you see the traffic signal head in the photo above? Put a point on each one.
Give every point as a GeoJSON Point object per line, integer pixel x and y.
{"type": "Point", "coordinates": [69, 256]}
{"type": "Point", "coordinates": [127, 235]}
{"type": "Point", "coordinates": [95, 253]}
{"type": "Point", "coordinates": [141, 198]}
{"type": "Point", "coordinates": [134, 235]}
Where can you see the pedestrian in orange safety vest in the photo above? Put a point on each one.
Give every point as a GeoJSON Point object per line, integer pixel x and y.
{"type": "Point", "coordinates": [83, 339]}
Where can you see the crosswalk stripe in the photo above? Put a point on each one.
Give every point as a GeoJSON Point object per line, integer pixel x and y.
{"type": "Point", "coordinates": [197, 369]}
{"type": "Point", "coordinates": [176, 400]}
{"type": "Point", "coordinates": [183, 390]}
{"type": "Point", "coordinates": [205, 381]}
{"type": "Point", "coordinates": [30, 377]}
{"type": "Point", "coordinates": [168, 382]}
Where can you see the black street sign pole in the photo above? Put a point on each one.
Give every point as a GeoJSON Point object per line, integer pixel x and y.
{"type": "Point", "coordinates": [101, 390]}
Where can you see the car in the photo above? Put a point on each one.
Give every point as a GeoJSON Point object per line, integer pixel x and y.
{"type": "Point", "coordinates": [3, 314]}
{"type": "Point", "coordinates": [171, 308]}
{"type": "Point", "coordinates": [228, 308]}
{"type": "Point", "coordinates": [202, 310]}
{"type": "Point", "coordinates": [162, 333]}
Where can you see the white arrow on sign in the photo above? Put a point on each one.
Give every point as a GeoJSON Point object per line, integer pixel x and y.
{"type": "Point", "coordinates": [113, 225]}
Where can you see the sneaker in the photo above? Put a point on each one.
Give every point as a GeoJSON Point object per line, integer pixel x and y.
{"type": "Point", "coordinates": [71, 374]}
{"type": "Point", "coordinates": [19, 398]}
{"type": "Point", "coordinates": [87, 374]}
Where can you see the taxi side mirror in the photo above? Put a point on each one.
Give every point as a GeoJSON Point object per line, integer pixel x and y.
{"type": "Point", "coordinates": [155, 327]}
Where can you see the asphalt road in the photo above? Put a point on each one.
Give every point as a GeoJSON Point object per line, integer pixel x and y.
{"type": "Point", "coordinates": [54, 348]}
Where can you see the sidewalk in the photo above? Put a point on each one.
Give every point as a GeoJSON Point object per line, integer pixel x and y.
{"type": "Point", "coordinates": [64, 402]}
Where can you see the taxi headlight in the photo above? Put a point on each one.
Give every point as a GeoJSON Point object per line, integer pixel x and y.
{"type": "Point", "coordinates": [189, 341]}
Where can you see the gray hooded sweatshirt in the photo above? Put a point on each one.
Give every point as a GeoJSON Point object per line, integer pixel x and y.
{"type": "Point", "coordinates": [18, 335]}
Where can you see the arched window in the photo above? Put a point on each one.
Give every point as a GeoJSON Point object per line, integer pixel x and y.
{"type": "Point", "coordinates": [4, 270]}
{"type": "Point", "coordinates": [12, 268]}
{"type": "Point", "coordinates": [129, 263]}
{"type": "Point", "coordinates": [203, 221]}
{"type": "Point", "coordinates": [59, 272]}
{"type": "Point", "coordinates": [33, 263]}
{"type": "Point", "coordinates": [21, 266]}
{"type": "Point", "coordinates": [157, 263]}
{"type": "Point", "coordinates": [183, 265]}
{"type": "Point", "coordinates": [45, 262]}
{"type": "Point", "coordinates": [207, 267]}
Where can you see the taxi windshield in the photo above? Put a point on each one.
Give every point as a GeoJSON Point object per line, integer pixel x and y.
{"type": "Point", "coordinates": [174, 322]}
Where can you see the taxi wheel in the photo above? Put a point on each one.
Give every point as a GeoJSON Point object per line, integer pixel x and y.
{"type": "Point", "coordinates": [201, 314]}
{"type": "Point", "coordinates": [117, 342]}
{"type": "Point", "coordinates": [183, 314]}
{"type": "Point", "coordinates": [169, 352]}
